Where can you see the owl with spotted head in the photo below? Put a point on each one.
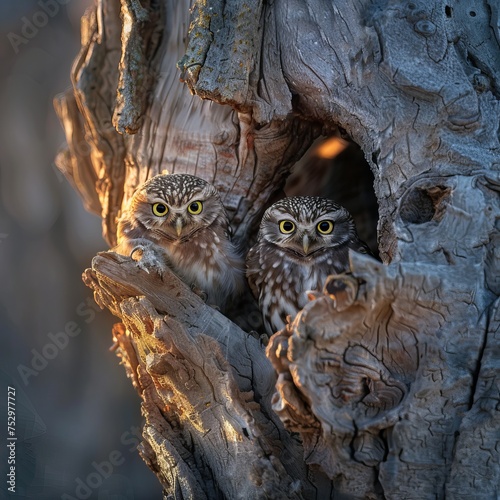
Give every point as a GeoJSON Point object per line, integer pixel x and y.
{"type": "Point", "coordinates": [184, 216]}
{"type": "Point", "coordinates": [301, 241]}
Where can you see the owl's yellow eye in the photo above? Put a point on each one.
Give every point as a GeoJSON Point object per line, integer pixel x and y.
{"type": "Point", "coordinates": [325, 227]}
{"type": "Point", "coordinates": [287, 226]}
{"type": "Point", "coordinates": [195, 208]}
{"type": "Point", "coordinates": [160, 209]}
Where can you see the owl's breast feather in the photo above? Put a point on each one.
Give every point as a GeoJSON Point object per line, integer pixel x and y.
{"type": "Point", "coordinates": [210, 262]}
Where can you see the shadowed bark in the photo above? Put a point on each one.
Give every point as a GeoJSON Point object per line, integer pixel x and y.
{"type": "Point", "coordinates": [389, 375]}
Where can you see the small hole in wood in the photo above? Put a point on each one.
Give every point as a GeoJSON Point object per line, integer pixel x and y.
{"type": "Point", "coordinates": [417, 207]}
{"type": "Point", "coordinates": [448, 11]}
{"type": "Point", "coordinates": [421, 205]}
{"type": "Point", "coordinates": [472, 13]}
{"type": "Point", "coordinates": [411, 6]}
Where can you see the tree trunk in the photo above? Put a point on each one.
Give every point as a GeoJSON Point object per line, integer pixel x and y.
{"type": "Point", "coordinates": [387, 381]}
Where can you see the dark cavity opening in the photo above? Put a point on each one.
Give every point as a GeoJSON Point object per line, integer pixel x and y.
{"type": "Point", "coordinates": [336, 168]}
{"type": "Point", "coordinates": [448, 11]}
{"type": "Point", "coordinates": [421, 205]}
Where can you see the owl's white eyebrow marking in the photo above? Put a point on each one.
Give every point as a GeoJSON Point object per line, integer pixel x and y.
{"type": "Point", "coordinates": [304, 208]}
{"type": "Point", "coordinates": [181, 187]}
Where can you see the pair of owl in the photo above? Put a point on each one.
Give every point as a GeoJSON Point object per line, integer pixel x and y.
{"type": "Point", "coordinates": [301, 241]}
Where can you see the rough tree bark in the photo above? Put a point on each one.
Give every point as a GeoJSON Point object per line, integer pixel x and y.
{"type": "Point", "coordinates": [389, 376]}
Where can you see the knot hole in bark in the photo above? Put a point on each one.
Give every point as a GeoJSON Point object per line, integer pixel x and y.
{"type": "Point", "coordinates": [421, 205]}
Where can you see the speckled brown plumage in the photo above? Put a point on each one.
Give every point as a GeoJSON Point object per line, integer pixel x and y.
{"type": "Point", "coordinates": [197, 247]}
{"type": "Point", "coordinates": [282, 267]}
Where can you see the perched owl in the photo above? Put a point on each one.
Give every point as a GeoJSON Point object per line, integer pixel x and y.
{"type": "Point", "coordinates": [184, 215]}
{"type": "Point", "coordinates": [300, 242]}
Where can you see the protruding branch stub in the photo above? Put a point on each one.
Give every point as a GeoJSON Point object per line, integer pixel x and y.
{"type": "Point", "coordinates": [356, 359]}
{"type": "Point", "coordinates": [328, 350]}
{"type": "Point", "coordinates": [163, 340]}
{"type": "Point", "coordinates": [139, 39]}
{"type": "Point", "coordinates": [205, 68]}
{"type": "Point", "coordinates": [223, 61]}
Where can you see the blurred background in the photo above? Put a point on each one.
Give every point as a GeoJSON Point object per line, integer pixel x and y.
{"type": "Point", "coordinates": [77, 415]}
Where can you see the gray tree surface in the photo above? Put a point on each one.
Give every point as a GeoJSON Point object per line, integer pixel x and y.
{"type": "Point", "coordinates": [386, 385]}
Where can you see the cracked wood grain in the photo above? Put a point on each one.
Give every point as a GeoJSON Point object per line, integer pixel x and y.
{"type": "Point", "coordinates": [139, 40]}
{"type": "Point", "coordinates": [215, 410]}
{"type": "Point", "coordinates": [389, 375]}
{"type": "Point", "coordinates": [384, 360]}
{"type": "Point", "coordinates": [171, 131]}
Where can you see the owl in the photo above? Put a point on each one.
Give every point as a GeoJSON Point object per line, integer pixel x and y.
{"type": "Point", "coordinates": [301, 241]}
{"type": "Point", "coordinates": [184, 216]}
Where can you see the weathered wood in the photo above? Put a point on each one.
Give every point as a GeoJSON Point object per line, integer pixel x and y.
{"type": "Point", "coordinates": [208, 415]}
{"type": "Point", "coordinates": [139, 41]}
{"type": "Point", "coordinates": [387, 364]}
{"type": "Point", "coordinates": [391, 376]}
{"type": "Point", "coordinates": [179, 133]}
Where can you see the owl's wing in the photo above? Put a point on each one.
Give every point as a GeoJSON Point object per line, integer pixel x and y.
{"type": "Point", "coordinates": [253, 269]}
{"type": "Point", "coordinates": [361, 247]}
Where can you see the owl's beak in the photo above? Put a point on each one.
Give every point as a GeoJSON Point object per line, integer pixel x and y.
{"type": "Point", "coordinates": [305, 243]}
{"type": "Point", "coordinates": [178, 226]}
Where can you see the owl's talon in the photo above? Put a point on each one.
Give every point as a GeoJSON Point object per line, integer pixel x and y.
{"type": "Point", "coordinates": [137, 253]}
{"type": "Point", "coordinates": [143, 267]}
{"type": "Point", "coordinates": [264, 339]}
{"type": "Point", "coordinates": [198, 291]}
{"type": "Point", "coordinates": [147, 259]}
